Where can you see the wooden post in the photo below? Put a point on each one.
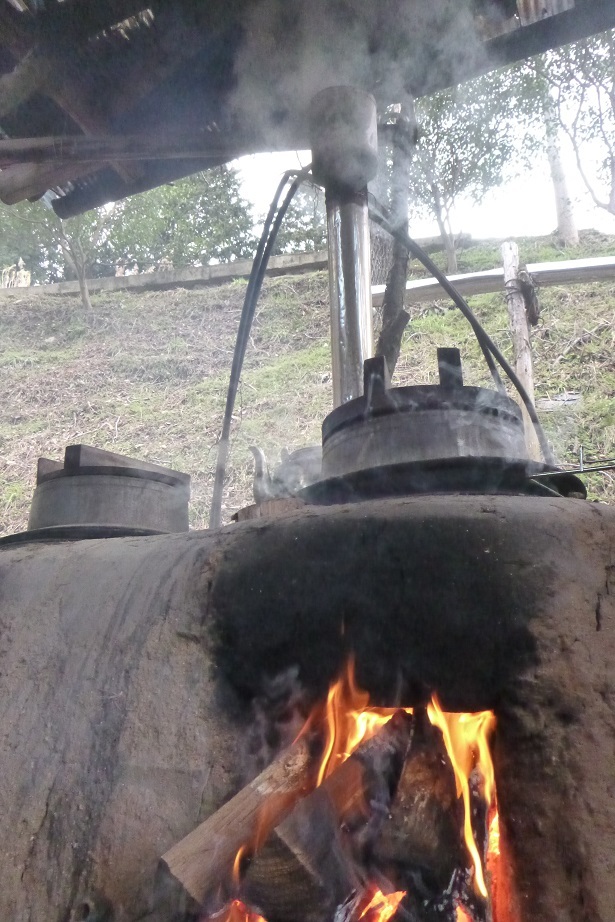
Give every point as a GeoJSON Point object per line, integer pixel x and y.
{"type": "Point", "coordinates": [522, 348]}
{"type": "Point", "coordinates": [394, 317]}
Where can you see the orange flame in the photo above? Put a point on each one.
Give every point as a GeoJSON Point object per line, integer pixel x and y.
{"type": "Point", "coordinates": [236, 874]}
{"type": "Point", "coordinates": [493, 848]}
{"type": "Point", "coordinates": [466, 737]}
{"type": "Point", "coordinates": [382, 906]}
{"type": "Point", "coordinates": [349, 721]}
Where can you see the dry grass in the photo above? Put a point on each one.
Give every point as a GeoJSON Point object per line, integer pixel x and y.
{"type": "Point", "coordinates": [146, 374]}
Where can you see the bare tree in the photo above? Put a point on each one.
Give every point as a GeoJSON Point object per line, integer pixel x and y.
{"type": "Point", "coordinates": [465, 144]}
{"type": "Point", "coordinates": [71, 245]}
{"type": "Point", "coordinates": [583, 79]}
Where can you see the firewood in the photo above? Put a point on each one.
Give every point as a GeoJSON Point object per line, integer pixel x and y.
{"type": "Point", "coordinates": [302, 872]}
{"type": "Point", "coordinates": [204, 858]}
{"type": "Point", "coordinates": [305, 869]}
{"type": "Point", "coordinates": [206, 855]}
{"type": "Point", "coordinates": [375, 764]}
{"type": "Point", "coordinates": [421, 841]}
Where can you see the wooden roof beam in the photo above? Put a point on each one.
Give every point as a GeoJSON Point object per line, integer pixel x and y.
{"type": "Point", "coordinates": [56, 74]}
{"type": "Point", "coordinates": [16, 29]}
{"type": "Point", "coordinates": [78, 149]}
{"type": "Point", "coordinates": [74, 20]}
{"type": "Point", "coordinates": [31, 73]}
{"type": "Point", "coordinates": [31, 180]}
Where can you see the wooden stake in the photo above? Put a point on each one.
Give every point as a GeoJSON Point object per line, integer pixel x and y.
{"type": "Point", "coordinates": [522, 348]}
{"type": "Point", "coordinates": [394, 317]}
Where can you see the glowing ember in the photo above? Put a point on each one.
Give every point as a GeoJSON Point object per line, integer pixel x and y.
{"type": "Point", "coordinates": [466, 737]}
{"type": "Point", "coordinates": [382, 906]}
{"type": "Point", "coordinates": [493, 849]}
{"type": "Point", "coordinates": [461, 915]}
{"type": "Point", "coordinates": [236, 911]}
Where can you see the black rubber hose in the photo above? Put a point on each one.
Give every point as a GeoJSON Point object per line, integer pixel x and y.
{"type": "Point", "coordinates": [486, 343]}
{"type": "Point", "coordinates": [253, 290]}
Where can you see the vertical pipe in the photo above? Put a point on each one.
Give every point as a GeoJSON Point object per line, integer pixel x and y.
{"type": "Point", "coordinates": [344, 138]}
{"type": "Point", "coordinates": [352, 340]}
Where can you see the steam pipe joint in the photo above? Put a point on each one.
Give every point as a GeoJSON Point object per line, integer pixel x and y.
{"type": "Point", "coordinates": [344, 138]}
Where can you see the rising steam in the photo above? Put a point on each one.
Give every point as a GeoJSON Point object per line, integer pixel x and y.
{"type": "Point", "coordinates": [392, 48]}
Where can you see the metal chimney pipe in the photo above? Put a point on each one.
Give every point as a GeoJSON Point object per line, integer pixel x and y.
{"type": "Point", "coordinates": [352, 337]}
{"type": "Point", "coordinates": [344, 158]}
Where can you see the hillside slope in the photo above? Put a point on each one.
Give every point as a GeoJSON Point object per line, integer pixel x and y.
{"type": "Point", "coordinates": [146, 374]}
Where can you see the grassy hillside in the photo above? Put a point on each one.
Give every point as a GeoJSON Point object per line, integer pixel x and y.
{"type": "Point", "coordinates": [146, 374]}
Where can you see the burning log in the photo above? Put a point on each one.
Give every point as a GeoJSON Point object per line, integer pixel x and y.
{"type": "Point", "coordinates": [304, 870]}
{"type": "Point", "coordinates": [406, 811]}
{"type": "Point", "coordinates": [206, 855]}
{"type": "Point", "coordinates": [421, 840]}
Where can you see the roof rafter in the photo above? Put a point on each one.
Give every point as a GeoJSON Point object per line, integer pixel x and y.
{"type": "Point", "coordinates": [154, 101]}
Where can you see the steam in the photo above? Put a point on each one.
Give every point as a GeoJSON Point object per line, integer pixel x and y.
{"type": "Point", "coordinates": [392, 48]}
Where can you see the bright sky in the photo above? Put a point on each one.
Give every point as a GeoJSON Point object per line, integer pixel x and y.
{"type": "Point", "coordinates": [523, 207]}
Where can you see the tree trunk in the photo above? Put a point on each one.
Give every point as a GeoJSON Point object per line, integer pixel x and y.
{"type": "Point", "coordinates": [566, 226]}
{"type": "Point", "coordinates": [83, 289]}
{"type": "Point", "coordinates": [448, 238]}
{"type": "Point", "coordinates": [80, 266]}
{"type": "Point", "coordinates": [72, 249]}
{"type": "Point", "coordinates": [451, 252]}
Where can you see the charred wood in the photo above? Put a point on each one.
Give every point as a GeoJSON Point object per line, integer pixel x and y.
{"type": "Point", "coordinates": [419, 848]}
{"type": "Point", "coordinates": [307, 866]}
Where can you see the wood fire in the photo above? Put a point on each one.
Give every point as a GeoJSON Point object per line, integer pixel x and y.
{"type": "Point", "coordinates": [377, 811]}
